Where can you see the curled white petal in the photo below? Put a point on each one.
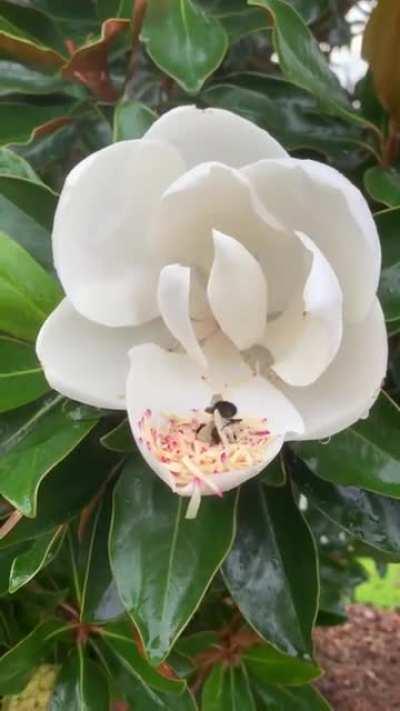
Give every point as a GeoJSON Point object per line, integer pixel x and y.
{"type": "Point", "coordinates": [89, 362]}
{"type": "Point", "coordinates": [174, 304]}
{"type": "Point", "coordinates": [161, 382]}
{"type": "Point", "coordinates": [202, 135]}
{"type": "Point", "coordinates": [307, 336]}
{"type": "Point", "coordinates": [237, 292]}
{"type": "Point", "coordinates": [317, 200]}
{"type": "Point", "coordinates": [351, 384]}
{"type": "Point", "coordinates": [100, 230]}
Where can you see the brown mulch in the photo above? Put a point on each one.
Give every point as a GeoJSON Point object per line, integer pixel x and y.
{"type": "Point", "coordinates": [361, 660]}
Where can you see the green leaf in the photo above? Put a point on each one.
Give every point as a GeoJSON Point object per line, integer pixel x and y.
{"type": "Point", "coordinates": [268, 664]}
{"type": "Point", "coordinates": [239, 20]}
{"type": "Point", "coordinates": [21, 660]}
{"type": "Point", "coordinates": [292, 115]}
{"type": "Point", "coordinates": [30, 25]}
{"type": "Point", "coordinates": [26, 214]}
{"type": "Point", "coordinates": [366, 455]}
{"type": "Point", "coordinates": [131, 120]}
{"type": "Point", "coordinates": [184, 41]}
{"type": "Point", "coordinates": [33, 440]}
{"type": "Point", "coordinates": [143, 698]}
{"type": "Point", "coordinates": [383, 185]}
{"type": "Point", "coordinates": [302, 61]}
{"type": "Point", "coordinates": [193, 644]}
{"type": "Point", "coordinates": [388, 224]}
{"type": "Point", "coordinates": [13, 164]}
{"type": "Point", "coordinates": [368, 517]}
{"type": "Point", "coordinates": [19, 121]}
{"type": "Point", "coordinates": [112, 8]}
{"type": "Point", "coordinates": [119, 439]}
{"type": "Point", "coordinates": [79, 477]}
{"type": "Point", "coordinates": [27, 293]}
{"type": "Point", "coordinates": [119, 638]}
{"type": "Point", "coordinates": [98, 596]}
{"type": "Point", "coordinates": [227, 688]}
{"type": "Point", "coordinates": [7, 557]}
{"type": "Point", "coordinates": [81, 685]}
{"type": "Point", "coordinates": [277, 597]}
{"type": "Point", "coordinates": [30, 562]}
{"type": "Point", "coordinates": [274, 474]}
{"type": "Point", "coordinates": [302, 698]}
{"type": "Point", "coordinates": [17, 78]}
{"type": "Point", "coordinates": [21, 377]}
{"type": "Point", "coordinates": [149, 524]}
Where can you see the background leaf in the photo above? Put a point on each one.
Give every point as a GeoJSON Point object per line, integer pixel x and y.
{"type": "Point", "coordinates": [21, 376]}
{"type": "Point", "coordinates": [47, 428]}
{"type": "Point", "coordinates": [278, 598]}
{"type": "Point", "coordinates": [184, 41]}
{"type": "Point", "coordinates": [366, 455]}
{"type": "Point", "coordinates": [149, 525]}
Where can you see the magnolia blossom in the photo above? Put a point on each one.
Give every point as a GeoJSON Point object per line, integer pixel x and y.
{"type": "Point", "coordinates": [221, 291]}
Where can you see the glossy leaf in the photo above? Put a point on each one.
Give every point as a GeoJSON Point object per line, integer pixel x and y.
{"type": "Point", "coordinates": [368, 517]}
{"type": "Point", "coordinates": [239, 20]}
{"type": "Point", "coordinates": [7, 557]}
{"type": "Point", "coordinates": [227, 688]}
{"type": "Point", "coordinates": [26, 214]}
{"type": "Point", "coordinates": [79, 477]}
{"type": "Point", "coordinates": [80, 685]}
{"type": "Point", "coordinates": [301, 59]}
{"type": "Point", "coordinates": [21, 377]}
{"type": "Point", "coordinates": [29, 36]}
{"type": "Point", "coordinates": [366, 455]}
{"type": "Point", "coordinates": [383, 185]}
{"type": "Point", "coordinates": [19, 662]}
{"type": "Point", "coordinates": [149, 525]}
{"type": "Point", "coordinates": [382, 51]}
{"type": "Point", "coordinates": [49, 430]}
{"type": "Point", "coordinates": [302, 698]}
{"type": "Point", "coordinates": [131, 120]}
{"type": "Point", "coordinates": [388, 224]}
{"type": "Point", "coordinates": [274, 474]}
{"type": "Point", "coordinates": [17, 78]}
{"type": "Point", "coordinates": [119, 439]}
{"type": "Point", "coordinates": [144, 698]}
{"type": "Point", "coordinates": [30, 562]}
{"type": "Point", "coordinates": [266, 663]}
{"type": "Point", "coordinates": [13, 164]}
{"type": "Point", "coordinates": [20, 122]}
{"type": "Point", "coordinates": [98, 596]}
{"type": "Point", "coordinates": [184, 41]}
{"type": "Point", "coordinates": [119, 638]}
{"type": "Point", "coordinates": [292, 115]}
{"type": "Point", "coordinates": [27, 293]}
{"type": "Point", "coordinates": [193, 644]}
{"type": "Point", "coordinates": [278, 597]}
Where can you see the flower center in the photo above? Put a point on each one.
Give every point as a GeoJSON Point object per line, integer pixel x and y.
{"type": "Point", "coordinates": [200, 447]}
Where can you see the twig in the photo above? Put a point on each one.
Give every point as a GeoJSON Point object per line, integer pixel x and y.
{"type": "Point", "coordinates": [11, 522]}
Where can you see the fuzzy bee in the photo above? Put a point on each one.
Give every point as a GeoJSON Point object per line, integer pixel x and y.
{"type": "Point", "coordinates": [223, 414]}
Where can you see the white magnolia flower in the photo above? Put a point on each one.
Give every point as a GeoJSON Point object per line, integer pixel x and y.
{"type": "Point", "coordinates": [205, 269]}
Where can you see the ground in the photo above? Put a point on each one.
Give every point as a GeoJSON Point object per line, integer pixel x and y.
{"type": "Point", "coordinates": [361, 660]}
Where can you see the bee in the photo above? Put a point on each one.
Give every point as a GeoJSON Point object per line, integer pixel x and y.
{"type": "Point", "coordinates": [223, 414]}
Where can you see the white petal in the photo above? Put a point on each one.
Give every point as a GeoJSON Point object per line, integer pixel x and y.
{"type": "Point", "coordinates": [100, 231]}
{"type": "Point", "coordinates": [237, 292]}
{"type": "Point", "coordinates": [89, 362]}
{"type": "Point", "coordinates": [169, 382]}
{"type": "Point", "coordinates": [213, 196]}
{"type": "Point", "coordinates": [202, 135]}
{"type": "Point", "coordinates": [306, 337]}
{"type": "Point", "coordinates": [317, 200]}
{"type": "Point", "coordinates": [349, 387]}
{"type": "Point", "coordinates": [174, 304]}
{"type": "Point", "coordinates": [162, 382]}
